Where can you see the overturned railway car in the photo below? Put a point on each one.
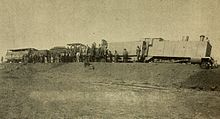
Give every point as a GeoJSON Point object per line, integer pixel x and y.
{"type": "Point", "coordinates": [160, 50]}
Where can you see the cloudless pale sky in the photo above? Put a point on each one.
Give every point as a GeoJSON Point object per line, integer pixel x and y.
{"type": "Point", "coordinates": [46, 23]}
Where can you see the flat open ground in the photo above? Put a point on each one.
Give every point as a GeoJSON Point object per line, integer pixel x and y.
{"type": "Point", "coordinates": [110, 91]}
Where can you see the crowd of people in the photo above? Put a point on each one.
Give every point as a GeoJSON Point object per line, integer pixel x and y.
{"type": "Point", "coordinates": [78, 54]}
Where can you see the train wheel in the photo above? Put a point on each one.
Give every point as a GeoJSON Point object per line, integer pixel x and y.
{"type": "Point", "coordinates": [204, 65]}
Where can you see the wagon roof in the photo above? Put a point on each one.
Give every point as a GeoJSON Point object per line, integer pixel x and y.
{"type": "Point", "coordinates": [72, 44]}
{"type": "Point", "coordinates": [58, 48]}
{"type": "Point", "coordinates": [22, 49]}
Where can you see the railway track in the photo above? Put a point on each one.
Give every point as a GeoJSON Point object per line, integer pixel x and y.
{"type": "Point", "coordinates": [139, 86]}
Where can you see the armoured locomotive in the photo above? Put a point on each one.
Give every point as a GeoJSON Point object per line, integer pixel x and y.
{"type": "Point", "coordinates": [160, 50]}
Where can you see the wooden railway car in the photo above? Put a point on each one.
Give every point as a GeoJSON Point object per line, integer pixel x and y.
{"type": "Point", "coordinates": [17, 55]}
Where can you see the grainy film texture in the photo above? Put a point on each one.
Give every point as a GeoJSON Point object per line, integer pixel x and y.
{"type": "Point", "coordinates": [109, 59]}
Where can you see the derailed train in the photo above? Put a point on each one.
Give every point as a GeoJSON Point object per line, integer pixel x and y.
{"type": "Point", "coordinates": [152, 50]}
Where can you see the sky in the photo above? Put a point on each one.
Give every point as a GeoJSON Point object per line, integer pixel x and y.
{"type": "Point", "coordinates": [43, 24]}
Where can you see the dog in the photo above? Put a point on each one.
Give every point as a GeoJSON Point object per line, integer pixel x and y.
{"type": "Point", "coordinates": [87, 64]}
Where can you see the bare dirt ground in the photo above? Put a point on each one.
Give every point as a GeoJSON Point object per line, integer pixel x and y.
{"type": "Point", "coordinates": [110, 91]}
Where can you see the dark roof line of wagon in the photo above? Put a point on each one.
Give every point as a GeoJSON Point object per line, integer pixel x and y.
{"type": "Point", "coordinates": [22, 49]}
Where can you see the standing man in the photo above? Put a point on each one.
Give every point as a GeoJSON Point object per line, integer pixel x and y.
{"type": "Point", "coordinates": [93, 52]}
{"type": "Point", "coordinates": [78, 57]}
{"type": "Point", "coordinates": [51, 59]}
{"type": "Point", "coordinates": [2, 59]}
{"type": "Point", "coordinates": [125, 55]}
{"type": "Point", "coordinates": [88, 53]}
{"type": "Point", "coordinates": [45, 59]}
{"type": "Point", "coordinates": [144, 47]}
{"type": "Point", "coordinates": [116, 56]}
{"type": "Point", "coordinates": [105, 53]}
{"type": "Point", "coordinates": [64, 57]}
{"type": "Point", "coordinates": [110, 55]}
{"type": "Point", "coordinates": [138, 53]}
{"type": "Point", "coordinates": [101, 51]}
{"type": "Point", "coordinates": [98, 54]}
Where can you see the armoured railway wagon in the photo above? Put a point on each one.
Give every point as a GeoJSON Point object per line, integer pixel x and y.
{"type": "Point", "coordinates": [160, 50]}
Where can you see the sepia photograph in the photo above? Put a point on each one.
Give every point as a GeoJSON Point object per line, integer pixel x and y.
{"type": "Point", "coordinates": [109, 59]}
